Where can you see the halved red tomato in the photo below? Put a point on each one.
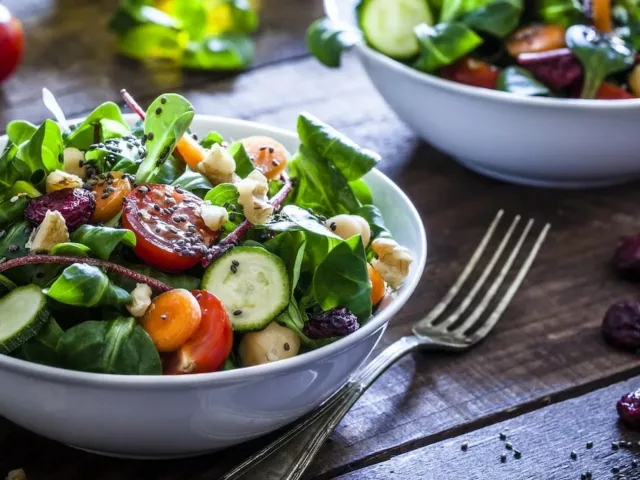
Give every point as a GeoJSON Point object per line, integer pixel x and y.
{"type": "Point", "coordinates": [170, 234]}
{"type": "Point", "coordinates": [471, 71]}
{"type": "Point", "coordinates": [209, 346]}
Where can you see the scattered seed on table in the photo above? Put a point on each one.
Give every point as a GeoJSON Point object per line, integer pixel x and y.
{"type": "Point", "coordinates": [508, 446]}
{"type": "Point", "coordinates": [589, 445]}
{"type": "Point", "coordinates": [517, 454]}
{"type": "Point", "coordinates": [503, 458]}
{"type": "Point", "coordinates": [464, 446]}
{"type": "Point", "coordinates": [615, 470]}
{"type": "Point", "coordinates": [503, 436]}
{"type": "Point", "coordinates": [589, 474]}
{"type": "Point", "coordinates": [583, 476]}
{"type": "Point", "coordinates": [614, 446]}
{"type": "Point", "coordinates": [634, 464]}
{"type": "Point", "coordinates": [574, 455]}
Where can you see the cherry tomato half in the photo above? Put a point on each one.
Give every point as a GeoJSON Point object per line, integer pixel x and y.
{"type": "Point", "coordinates": [170, 234]}
{"type": "Point", "coordinates": [209, 346]}
{"type": "Point", "coordinates": [11, 43]}
{"type": "Point", "coordinates": [472, 72]}
{"type": "Point", "coordinates": [610, 91]}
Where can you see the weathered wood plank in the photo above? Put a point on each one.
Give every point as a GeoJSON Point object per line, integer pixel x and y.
{"type": "Point", "coordinates": [545, 438]}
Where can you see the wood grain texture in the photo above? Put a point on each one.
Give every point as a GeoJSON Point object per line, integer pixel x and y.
{"type": "Point", "coordinates": [545, 439]}
{"type": "Point", "coordinates": [546, 348]}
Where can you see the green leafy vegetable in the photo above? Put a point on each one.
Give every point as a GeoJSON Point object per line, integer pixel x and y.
{"type": "Point", "coordinates": [119, 346]}
{"type": "Point", "coordinates": [294, 218]}
{"type": "Point", "coordinates": [521, 82]}
{"type": "Point", "coordinates": [244, 166]}
{"type": "Point", "coordinates": [294, 320]}
{"type": "Point", "coordinates": [12, 210]}
{"type": "Point", "coordinates": [118, 155]}
{"type": "Point", "coordinates": [373, 216]}
{"type": "Point", "coordinates": [342, 280]}
{"type": "Point", "coordinates": [71, 249]}
{"type": "Point", "coordinates": [561, 12]}
{"type": "Point", "coordinates": [497, 18]}
{"type": "Point", "coordinates": [83, 285]}
{"type": "Point", "coordinates": [103, 240]}
{"type": "Point", "coordinates": [43, 347]}
{"type": "Point", "coordinates": [42, 153]}
{"type": "Point", "coordinates": [20, 131]}
{"type": "Point", "coordinates": [22, 187]}
{"type": "Point", "coordinates": [601, 55]}
{"type": "Point", "coordinates": [193, 182]}
{"type": "Point", "coordinates": [176, 281]}
{"type": "Point", "coordinates": [168, 118]}
{"type": "Point", "coordinates": [244, 18]}
{"type": "Point", "coordinates": [210, 139]}
{"type": "Point", "coordinates": [229, 51]}
{"type": "Point", "coordinates": [290, 247]}
{"type": "Point", "coordinates": [193, 16]}
{"type": "Point", "coordinates": [11, 168]}
{"type": "Point", "coordinates": [350, 159]}
{"type": "Point", "coordinates": [104, 123]}
{"type": "Point", "coordinates": [151, 42]}
{"type": "Point", "coordinates": [326, 40]}
{"type": "Point", "coordinates": [135, 13]}
{"type": "Point", "coordinates": [444, 44]}
{"type": "Point", "coordinates": [362, 191]}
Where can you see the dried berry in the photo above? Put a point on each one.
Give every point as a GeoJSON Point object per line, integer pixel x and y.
{"type": "Point", "coordinates": [629, 409]}
{"type": "Point", "coordinates": [626, 259]}
{"type": "Point", "coordinates": [76, 205]}
{"type": "Point", "coordinates": [621, 325]}
{"type": "Point", "coordinates": [336, 322]}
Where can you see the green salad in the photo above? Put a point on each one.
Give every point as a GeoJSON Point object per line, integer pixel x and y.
{"type": "Point", "coordinates": [545, 48]}
{"type": "Point", "coordinates": [147, 250]}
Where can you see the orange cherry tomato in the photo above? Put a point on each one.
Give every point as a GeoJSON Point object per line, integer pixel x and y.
{"type": "Point", "coordinates": [171, 319]}
{"type": "Point", "coordinates": [472, 72]}
{"type": "Point", "coordinates": [109, 193]}
{"type": "Point", "coordinates": [601, 12]}
{"type": "Point", "coordinates": [535, 38]}
{"type": "Point", "coordinates": [378, 289]}
{"type": "Point", "coordinates": [170, 234]}
{"type": "Point", "coordinates": [267, 155]}
{"type": "Point", "coordinates": [610, 91]}
{"type": "Point", "coordinates": [190, 151]}
{"type": "Point", "coordinates": [210, 345]}
{"type": "Point", "coordinates": [11, 43]}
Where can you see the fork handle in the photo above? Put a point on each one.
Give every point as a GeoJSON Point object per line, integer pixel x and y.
{"type": "Point", "coordinates": [289, 460]}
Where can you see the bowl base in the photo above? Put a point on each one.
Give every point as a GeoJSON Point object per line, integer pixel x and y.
{"type": "Point", "coordinates": [133, 456]}
{"type": "Point", "coordinates": [546, 183]}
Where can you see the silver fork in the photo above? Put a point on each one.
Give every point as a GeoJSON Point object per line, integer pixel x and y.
{"type": "Point", "coordinates": [286, 459]}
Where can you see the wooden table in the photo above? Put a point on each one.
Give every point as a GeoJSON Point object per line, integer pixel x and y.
{"type": "Point", "coordinates": [544, 375]}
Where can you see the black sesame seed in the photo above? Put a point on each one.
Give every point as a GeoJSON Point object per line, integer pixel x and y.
{"type": "Point", "coordinates": [232, 217]}
{"type": "Point", "coordinates": [333, 227]}
{"type": "Point", "coordinates": [271, 150]}
{"type": "Point", "coordinates": [508, 446]}
{"type": "Point", "coordinates": [163, 100]}
{"type": "Point", "coordinates": [583, 476]}
{"type": "Point", "coordinates": [275, 163]}
{"type": "Point", "coordinates": [81, 163]}
{"type": "Point", "coordinates": [503, 436]}
{"type": "Point", "coordinates": [503, 458]}
{"type": "Point", "coordinates": [235, 262]}
{"type": "Point", "coordinates": [263, 148]}
{"type": "Point", "coordinates": [463, 447]}
{"type": "Point", "coordinates": [615, 470]}
{"type": "Point", "coordinates": [150, 136]}
{"type": "Point", "coordinates": [14, 248]}
{"type": "Point", "coordinates": [105, 195]}
{"type": "Point", "coordinates": [517, 454]}
{"type": "Point", "coordinates": [614, 446]}
{"type": "Point", "coordinates": [195, 137]}
{"type": "Point", "coordinates": [158, 230]}
{"type": "Point", "coordinates": [158, 111]}
{"type": "Point", "coordinates": [574, 455]}
{"type": "Point", "coordinates": [233, 208]}
{"type": "Point", "coordinates": [156, 207]}
{"type": "Point", "coordinates": [589, 445]}
{"type": "Point", "coordinates": [225, 205]}
{"type": "Point", "coordinates": [237, 312]}
{"type": "Point", "coordinates": [589, 474]}
{"type": "Point", "coordinates": [234, 269]}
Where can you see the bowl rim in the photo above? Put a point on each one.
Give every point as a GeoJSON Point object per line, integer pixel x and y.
{"type": "Point", "coordinates": [332, 12]}
{"type": "Point", "coordinates": [378, 321]}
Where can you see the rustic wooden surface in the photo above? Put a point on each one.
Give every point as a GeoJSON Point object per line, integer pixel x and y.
{"type": "Point", "coordinates": [546, 349]}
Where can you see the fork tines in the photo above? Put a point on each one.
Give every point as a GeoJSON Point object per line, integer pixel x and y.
{"type": "Point", "coordinates": [473, 327]}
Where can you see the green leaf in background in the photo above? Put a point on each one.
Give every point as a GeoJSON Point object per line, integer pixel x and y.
{"type": "Point", "coordinates": [83, 285]}
{"type": "Point", "coordinates": [228, 51]}
{"type": "Point", "coordinates": [243, 17]}
{"type": "Point", "coordinates": [521, 82]}
{"type": "Point", "coordinates": [498, 18]}
{"type": "Point", "coordinates": [42, 153]}
{"type": "Point", "coordinates": [327, 40]}
{"type": "Point", "coordinates": [313, 173]}
{"type": "Point", "coordinates": [103, 240]}
{"type": "Point", "coordinates": [152, 42]}
{"type": "Point", "coordinates": [133, 13]}
{"type": "Point", "coordinates": [42, 348]}
{"type": "Point", "coordinates": [444, 44]}
{"type": "Point", "coordinates": [362, 191]}
{"type": "Point", "coordinates": [19, 131]}
{"type": "Point", "coordinates": [193, 182]}
{"type": "Point", "coordinates": [244, 165]}
{"type": "Point", "coordinates": [168, 118]}
{"type": "Point", "coordinates": [350, 159]}
{"type": "Point", "coordinates": [600, 54]}
{"type": "Point", "coordinates": [342, 280]}
{"type": "Point", "coordinates": [193, 16]}
{"type": "Point", "coordinates": [210, 139]}
{"type": "Point", "coordinates": [119, 346]}
{"type": "Point", "coordinates": [71, 249]}
{"type": "Point", "coordinates": [373, 216]}
{"type": "Point", "coordinates": [561, 12]}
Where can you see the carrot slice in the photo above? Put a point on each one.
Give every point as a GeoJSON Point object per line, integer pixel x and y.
{"type": "Point", "coordinates": [171, 319]}
{"type": "Point", "coordinates": [109, 193]}
{"type": "Point", "coordinates": [601, 11]}
{"type": "Point", "coordinates": [267, 155]}
{"type": "Point", "coordinates": [190, 151]}
{"type": "Point", "coordinates": [377, 285]}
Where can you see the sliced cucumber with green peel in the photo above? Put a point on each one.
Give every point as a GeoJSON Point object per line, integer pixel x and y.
{"type": "Point", "coordinates": [23, 313]}
{"type": "Point", "coordinates": [388, 25]}
{"type": "Point", "coordinates": [252, 284]}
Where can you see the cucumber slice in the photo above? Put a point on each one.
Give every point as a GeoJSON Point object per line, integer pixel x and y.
{"type": "Point", "coordinates": [23, 313]}
{"type": "Point", "coordinates": [252, 284]}
{"type": "Point", "coordinates": [388, 25]}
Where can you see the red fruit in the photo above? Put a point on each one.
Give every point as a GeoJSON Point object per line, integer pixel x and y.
{"type": "Point", "coordinates": [11, 43]}
{"type": "Point", "coordinates": [471, 71]}
{"type": "Point", "coordinates": [626, 259]}
{"type": "Point", "coordinates": [555, 68]}
{"type": "Point", "coordinates": [621, 325]}
{"type": "Point", "coordinates": [76, 205]}
{"type": "Point", "coordinates": [629, 409]}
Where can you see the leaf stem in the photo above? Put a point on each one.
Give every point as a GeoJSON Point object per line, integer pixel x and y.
{"type": "Point", "coordinates": [64, 260]}
{"type": "Point", "coordinates": [133, 104]}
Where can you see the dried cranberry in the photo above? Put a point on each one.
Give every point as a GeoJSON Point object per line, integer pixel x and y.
{"type": "Point", "coordinates": [626, 259]}
{"type": "Point", "coordinates": [621, 325]}
{"type": "Point", "coordinates": [336, 322]}
{"type": "Point", "coordinates": [629, 409]}
{"type": "Point", "coordinates": [76, 205]}
{"type": "Point", "coordinates": [555, 68]}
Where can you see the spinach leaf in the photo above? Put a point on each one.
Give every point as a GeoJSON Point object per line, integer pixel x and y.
{"type": "Point", "coordinates": [193, 182]}
{"type": "Point", "coordinates": [43, 347]}
{"type": "Point", "coordinates": [228, 51]}
{"type": "Point", "coordinates": [12, 210]}
{"type": "Point", "coordinates": [12, 169]}
{"type": "Point", "coordinates": [71, 249]}
{"type": "Point", "coordinates": [294, 218]}
{"type": "Point", "coordinates": [119, 346]}
{"type": "Point", "coordinates": [290, 247]}
{"type": "Point", "coordinates": [166, 128]}
{"type": "Point", "coordinates": [443, 45]}
{"type": "Point", "coordinates": [326, 40]}
{"type": "Point", "coordinates": [319, 185]}
{"type": "Point", "coordinates": [350, 159]}
{"type": "Point", "coordinates": [521, 82]}
{"type": "Point", "coordinates": [226, 195]}
{"type": "Point", "coordinates": [294, 320]}
{"type": "Point", "coordinates": [373, 216]}
{"type": "Point", "coordinates": [22, 187]}
{"type": "Point", "coordinates": [561, 12]}
{"type": "Point", "coordinates": [497, 18]}
{"type": "Point", "coordinates": [103, 240]}
{"type": "Point", "coordinates": [244, 165]}
{"type": "Point", "coordinates": [600, 54]}
{"type": "Point", "coordinates": [42, 153]}
{"type": "Point", "coordinates": [83, 285]}
{"type": "Point", "coordinates": [20, 131]}
{"type": "Point", "coordinates": [176, 281]}
{"type": "Point", "coordinates": [362, 191]}
{"type": "Point", "coordinates": [210, 139]}
{"type": "Point", "coordinates": [168, 172]}
{"type": "Point", "coordinates": [116, 154]}
{"type": "Point", "coordinates": [104, 123]}
{"type": "Point", "coordinates": [6, 285]}
{"type": "Point", "coordinates": [342, 280]}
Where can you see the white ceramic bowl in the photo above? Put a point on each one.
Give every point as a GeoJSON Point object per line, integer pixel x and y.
{"type": "Point", "coordinates": [154, 417]}
{"type": "Point", "coordinates": [565, 143]}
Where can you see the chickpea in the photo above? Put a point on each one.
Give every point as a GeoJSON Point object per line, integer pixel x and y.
{"type": "Point", "coordinates": [269, 345]}
{"type": "Point", "coordinates": [346, 226]}
{"type": "Point", "coordinates": [634, 81]}
{"type": "Point", "coordinates": [74, 162]}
